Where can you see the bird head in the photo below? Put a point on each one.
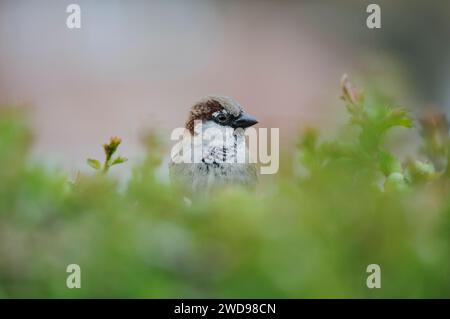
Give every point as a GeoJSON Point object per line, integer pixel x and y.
{"type": "Point", "coordinates": [221, 110]}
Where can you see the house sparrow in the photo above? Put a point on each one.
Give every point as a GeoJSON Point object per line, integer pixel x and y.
{"type": "Point", "coordinates": [215, 146]}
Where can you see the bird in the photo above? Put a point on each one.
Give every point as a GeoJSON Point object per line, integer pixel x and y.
{"type": "Point", "coordinates": [215, 147]}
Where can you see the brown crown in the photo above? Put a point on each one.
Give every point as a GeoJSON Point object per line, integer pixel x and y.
{"type": "Point", "coordinates": [204, 109]}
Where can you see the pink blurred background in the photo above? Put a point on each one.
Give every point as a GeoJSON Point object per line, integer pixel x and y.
{"type": "Point", "coordinates": [136, 65]}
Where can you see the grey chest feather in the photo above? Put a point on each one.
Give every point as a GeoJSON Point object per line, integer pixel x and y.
{"type": "Point", "coordinates": [199, 177]}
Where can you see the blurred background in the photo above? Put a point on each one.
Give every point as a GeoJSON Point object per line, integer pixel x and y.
{"type": "Point", "coordinates": [136, 65]}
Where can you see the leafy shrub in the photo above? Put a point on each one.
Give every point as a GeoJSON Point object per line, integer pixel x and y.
{"type": "Point", "coordinates": [304, 236]}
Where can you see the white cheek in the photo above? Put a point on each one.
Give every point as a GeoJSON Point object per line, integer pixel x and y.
{"type": "Point", "coordinates": [214, 135]}
{"type": "Point", "coordinates": [212, 139]}
{"type": "Point", "coordinates": [217, 135]}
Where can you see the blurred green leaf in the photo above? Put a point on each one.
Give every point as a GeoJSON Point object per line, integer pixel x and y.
{"type": "Point", "coordinates": [94, 163]}
{"type": "Point", "coordinates": [119, 160]}
{"type": "Point", "coordinates": [389, 163]}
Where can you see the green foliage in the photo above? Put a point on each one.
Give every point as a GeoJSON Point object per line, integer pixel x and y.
{"type": "Point", "coordinates": [306, 236]}
{"type": "Point", "coordinates": [94, 163]}
{"type": "Point", "coordinates": [109, 149]}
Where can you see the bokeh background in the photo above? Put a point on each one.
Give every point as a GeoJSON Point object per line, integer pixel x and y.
{"type": "Point", "coordinates": [346, 196]}
{"type": "Point", "coordinates": [136, 65]}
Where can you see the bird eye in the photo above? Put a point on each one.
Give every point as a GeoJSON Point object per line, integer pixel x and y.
{"type": "Point", "coordinates": [221, 117]}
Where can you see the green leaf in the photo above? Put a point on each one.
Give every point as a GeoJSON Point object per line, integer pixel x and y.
{"type": "Point", "coordinates": [395, 182]}
{"type": "Point", "coordinates": [398, 117]}
{"type": "Point", "coordinates": [425, 168]}
{"type": "Point", "coordinates": [389, 164]}
{"type": "Point", "coordinates": [119, 160]}
{"type": "Point", "coordinates": [93, 163]}
{"type": "Point", "coordinates": [418, 171]}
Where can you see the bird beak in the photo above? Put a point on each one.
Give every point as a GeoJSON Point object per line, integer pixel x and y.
{"type": "Point", "coordinates": [244, 120]}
